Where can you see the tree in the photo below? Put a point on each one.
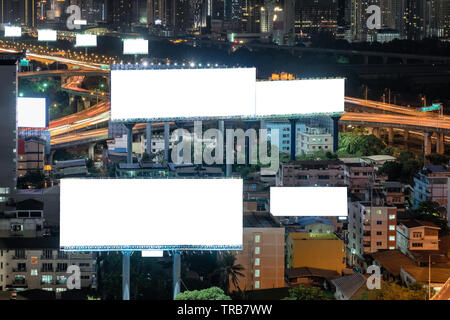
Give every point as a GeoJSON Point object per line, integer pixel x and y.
{"type": "Point", "coordinates": [361, 145]}
{"type": "Point", "coordinates": [32, 179]}
{"type": "Point", "coordinates": [437, 159]}
{"type": "Point", "coordinates": [429, 207]}
{"type": "Point", "coordinates": [213, 293]}
{"type": "Point", "coordinates": [403, 169]}
{"type": "Point", "coordinates": [303, 293]}
{"type": "Point", "coordinates": [230, 271]}
{"type": "Point", "coordinates": [393, 291]}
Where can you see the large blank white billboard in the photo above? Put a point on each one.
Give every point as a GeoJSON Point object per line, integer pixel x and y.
{"type": "Point", "coordinates": [151, 214]}
{"type": "Point", "coordinates": [11, 31]}
{"type": "Point", "coordinates": [182, 93]}
{"type": "Point", "coordinates": [292, 97]}
{"type": "Point", "coordinates": [308, 201]}
{"type": "Point", "coordinates": [86, 40]}
{"type": "Point", "coordinates": [135, 46]}
{"type": "Point", "coordinates": [47, 35]}
{"type": "Point", "coordinates": [31, 113]}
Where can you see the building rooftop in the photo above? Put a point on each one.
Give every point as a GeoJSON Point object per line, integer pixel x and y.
{"type": "Point", "coordinates": [306, 221]}
{"type": "Point", "coordinates": [435, 169]}
{"type": "Point", "coordinates": [380, 157]}
{"type": "Point", "coordinates": [350, 284]}
{"type": "Point", "coordinates": [305, 272]}
{"type": "Point", "coordinates": [312, 236]}
{"type": "Point", "coordinates": [29, 243]}
{"type": "Point", "coordinates": [438, 275]}
{"type": "Point", "coordinates": [70, 163]}
{"type": "Point", "coordinates": [259, 221]}
{"type": "Point", "coordinates": [413, 223]}
{"type": "Point", "coordinates": [444, 293]}
{"type": "Point", "coordinates": [392, 260]}
{"type": "Point", "coordinates": [392, 184]}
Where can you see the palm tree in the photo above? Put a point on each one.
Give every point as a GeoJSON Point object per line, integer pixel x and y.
{"type": "Point", "coordinates": [230, 271]}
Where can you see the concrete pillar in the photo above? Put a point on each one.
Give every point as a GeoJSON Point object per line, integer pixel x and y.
{"type": "Point", "coordinates": [86, 103]}
{"type": "Point", "coordinates": [129, 127]}
{"type": "Point", "coordinates": [148, 133]}
{"type": "Point", "coordinates": [427, 143]}
{"type": "Point", "coordinates": [228, 166]}
{"type": "Point", "coordinates": [440, 143]}
{"type": "Point", "coordinates": [293, 138]}
{"type": "Point", "coordinates": [126, 275]}
{"type": "Point", "coordinates": [91, 154]}
{"type": "Point", "coordinates": [176, 273]}
{"type": "Point", "coordinates": [335, 133]}
{"type": "Point", "coordinates": [390, 135]}
{"type": "Point", "coordinates": [166, 140]}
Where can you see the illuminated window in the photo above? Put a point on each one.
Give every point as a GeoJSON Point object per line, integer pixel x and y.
{"type": "Point", "coordinates": [378, 211]}
{"type": "Point", "coordinates": [391, 238]}
{"type": "Point", "coordinates": [257, 238]}
{"type": "Point", "coordinates": [391, 248]}
{"type": "Point", "coordinates": [257, 284]}
{"type": "Point", "coordinates": [47, 278]}
{"type": "Point", "coordinates": [391, 227]}
{"type": "Point", "coordinates": [257, 262]}
{"type": "Point", "coordinates": [391, 216]}
{"type": "Point", "coordinates": [257, 250]}
{"type": "Point", "coordinates": [257, 273]}
{"type": "Point", "coordinates": [34, 272]}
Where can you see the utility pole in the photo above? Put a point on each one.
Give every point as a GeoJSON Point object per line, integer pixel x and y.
{"type": "Point", "coordinates": [429, 276]}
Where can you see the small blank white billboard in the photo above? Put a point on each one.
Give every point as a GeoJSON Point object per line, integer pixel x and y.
{"type": "Point", "coordinates": [182, 93]}
{"type": "Point", "coordinates": [152, 253]}
{"type": "Point", "coordinates": [135, 46]}
{"type": "Point", "coordinates": [31, 113]}
{"type": "Point", "coordinates": [297, 97]}
{"type": "Point", "coordinates": [11, 31]}
{"type": "Point", "coordinates": [308, 201]}
{"type": "Point", "coordinates": [151, 214]}
{"type": "Point", "coordinates": [86, 40]}
{"type": "Point", "coordinates": [47, 35]}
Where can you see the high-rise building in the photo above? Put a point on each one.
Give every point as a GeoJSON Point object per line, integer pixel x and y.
{"type": "Point", "coordinates": [8, 126]}
{"type": "Point", "coordinates": [119, 12]}
{"type": "Point", "coordinates": [312, 16]}
{"type": "Point", "coordinates": [19, 12]}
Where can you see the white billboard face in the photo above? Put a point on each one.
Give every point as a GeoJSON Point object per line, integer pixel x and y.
{"type": "Point", "coordinates": [293, 97]}
{"type": "Point", "coordinates": [182, 93]}
{"type": "Point", "coordinates": [31, 113]}
{"type": "Point", "coordinates": [308, 201]}
{"type": "Point", "coordinates": [151, 214]}
{"type": "Point", "coordinates": [152, 253]}
{"type": "Point", "coordinates": [86, 40]}
{"type": "Point", "coordinates": [13, 31]}
{"type": "Point", "coordinates": [135, 46]}
{"type": "Point", "coordinates": [47, 35]}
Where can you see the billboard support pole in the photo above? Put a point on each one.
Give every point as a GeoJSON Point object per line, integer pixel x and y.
{"type": "Point", "coordinates": [166, 141]}
{"type": "Point", "coordinates": [176, 273]}
{"type": "Point", "coordinates": [129, 127]}
{"type": "Point", "coordinates": [126, 274]}
{"type": "Point", "coordinates": [293, 138]}
{"type": "Point", "coordinates": [228, 166]}
{"type": "Point", "coordinates": [149, 138]}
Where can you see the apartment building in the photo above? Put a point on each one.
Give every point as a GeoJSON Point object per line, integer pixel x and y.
{"type": "Point", "coordinates": [30, 155]}
{"type": "Point", "coordinates": [263, 253]}
{"type": "Point", "coordinates": [325, 173]}
{"type": "Point", "coordinates": [27, 220]}
{"type": "Point", "coordinates": [36, 263]}
{"type": "Point", "coordinates": [315, 250]}
{"type": "Point", "coordinates": [394, 192]}
{"type": "Point", "coordinates": [431, 184]}
{"type": "Point", "coordinates": [414, 235]}
{"type": "Point", "coordinates": [371, 227]}
{"type": "Point", "coordinates": [359, 177]}
{"type": "Point", "coordinates": [312, 140]}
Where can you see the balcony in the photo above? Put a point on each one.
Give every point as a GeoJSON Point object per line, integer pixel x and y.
{"type": "Point", "coordinates": [21, 257]}
{"type": "Point", "coordinates": [19, 270]}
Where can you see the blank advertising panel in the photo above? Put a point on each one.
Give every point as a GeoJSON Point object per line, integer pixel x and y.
{"type": "Point", "coordinates": [31, 113]}
{"type": "Point", "coordinates": [297, 97]}
{"type": "Point", "coordinates": [167, 94]}
{"type": "Point", "coordinates": [135, 46]}
{"type": "Point", "coordinates": [151, 214]}
{"type": "Point", "coordinates": [86, 40]}
{"type": "Point", "coordinates": [47, 35]}
{"type": "Point", "coordinates": [308, 201]}
{"type": "Point", "coordinates": [11, 31]}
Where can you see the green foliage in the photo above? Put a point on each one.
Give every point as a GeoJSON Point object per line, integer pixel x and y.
{"type": "Point", "coordinates": [393, 291]}
{"type": "Point", "coordinates": [63, 155]}
{"type": "Point", "coordinates": [213, 293]}
{"type": "Point", "coordinates": [230, 271]}
{"type": "Point", "coordinates": [319, 155]}
{"type": "Point", "coordinates": [437, 159]}
{"type": "Point", "coordinates": [429, 207]}
{"type": "Point", "coordinates": [93, 298]}
{"type": "Point", "coordinates": [403, 169]}
{"type": "Point", "coordinates": [304, 293]}
{"type": "Point", "coordinates": [361, 145]}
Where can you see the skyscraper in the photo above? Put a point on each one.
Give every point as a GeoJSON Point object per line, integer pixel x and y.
{"type": "Point", "coordinates": [119, 12]}
{"type": "Point", "coordinates": [8, 125]}
{"type": "Point", "coordinates": [19, 12]}
{"type": "Point", "coordinates": [312, 16]}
